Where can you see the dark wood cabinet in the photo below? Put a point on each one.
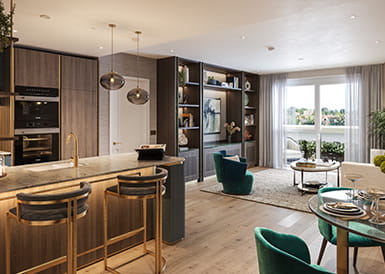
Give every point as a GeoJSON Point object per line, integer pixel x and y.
{"type": "Point", "coordinates": [35, 68]}
{"type": "Point", "coordinates": [181, 99]}
{"type": "Point", "coordinates": [79, 105]}
{"type": "Point", "coordinates": [191, 164]}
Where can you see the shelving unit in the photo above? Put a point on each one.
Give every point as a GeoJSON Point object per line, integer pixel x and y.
{"type": "Point", "coordinates": [251, 123]}
{"type": "Point", "coordinates": [181, 110]}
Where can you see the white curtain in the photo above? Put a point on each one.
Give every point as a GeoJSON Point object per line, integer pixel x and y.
{"type": "Point", "coordinates": [271, 117]}
{"type": "Point", "coordinates": [364, 94]}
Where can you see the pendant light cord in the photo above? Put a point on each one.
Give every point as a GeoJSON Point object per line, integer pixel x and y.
{"type": "Point", "coordinates": [112, 26]}
{"type": "Point", "coordinates": [137, 58]}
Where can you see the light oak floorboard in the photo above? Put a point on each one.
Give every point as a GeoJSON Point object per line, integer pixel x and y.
{"type": "Point", "coordinates": [220, 239]}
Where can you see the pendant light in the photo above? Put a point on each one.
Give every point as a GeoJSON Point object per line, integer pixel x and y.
{"type": "Point", "coordinates": [112, 80]}
{"type": "Point", "coordinates": [138, 96]}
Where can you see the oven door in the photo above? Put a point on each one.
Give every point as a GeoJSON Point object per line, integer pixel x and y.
{"type": "Point", "coordinates": [36, 112]}
{"type": "Point", "coordinates": [36, 148]}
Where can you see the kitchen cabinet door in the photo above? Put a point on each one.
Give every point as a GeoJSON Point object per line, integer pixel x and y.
{"type": "Point", "coordinates": [36, 68]}
{"type": "Point", "coordinates": [79, 105]}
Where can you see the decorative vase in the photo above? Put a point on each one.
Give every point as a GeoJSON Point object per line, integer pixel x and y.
{"type": "Point", "coordinates": [186, 73]}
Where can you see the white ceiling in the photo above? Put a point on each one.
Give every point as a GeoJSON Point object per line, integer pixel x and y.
{"type": "Point", "coordinates": [319, 31]}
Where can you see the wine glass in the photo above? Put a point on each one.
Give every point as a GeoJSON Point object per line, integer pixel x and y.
{"type": "Point", "coordinates": [353, 177]}
{"type": "Point", "coordinates": [375, 206]}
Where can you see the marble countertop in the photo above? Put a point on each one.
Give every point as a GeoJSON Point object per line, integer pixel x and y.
{"type": "Point", "coordinates": [26, 176]}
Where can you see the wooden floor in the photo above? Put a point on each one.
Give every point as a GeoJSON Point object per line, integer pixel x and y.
{"type": "Point", "coordinates": [220, 239]}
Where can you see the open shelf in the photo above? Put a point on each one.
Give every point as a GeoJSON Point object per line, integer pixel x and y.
{"type": "Point", "coordinates": [220, 87]}
{"type": "Point", "coordinates": [188, 106]}
{"type": "Point", "coordinates": [250, 91]}
{"type": "Point", "coordinates": [251, 108]}
{"type": "Point", "coordinates": [189, 128]}
{"type": "Point", "coordinates": [191, 84]}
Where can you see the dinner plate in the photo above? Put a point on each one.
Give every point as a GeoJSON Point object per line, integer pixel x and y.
{"type": "Point", "coordinates": [350, 213]}
{"type": "Point", "coordinates": [347, 216]}
{"type": "Point", "coordinates": [342, 206]}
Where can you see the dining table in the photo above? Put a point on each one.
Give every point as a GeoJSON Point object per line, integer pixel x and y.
{"type": "Point", "coordinates": [344, 225]}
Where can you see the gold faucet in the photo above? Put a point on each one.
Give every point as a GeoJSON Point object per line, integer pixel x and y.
{"type": "Point", "coordinates": [75, 151]}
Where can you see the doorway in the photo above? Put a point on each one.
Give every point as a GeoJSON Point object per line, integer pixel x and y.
{"type": "Point", "coordinates": [129, 123]}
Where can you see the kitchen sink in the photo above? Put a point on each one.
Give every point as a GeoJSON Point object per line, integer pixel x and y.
{"type": "Point", "coordinates": [49, 167]}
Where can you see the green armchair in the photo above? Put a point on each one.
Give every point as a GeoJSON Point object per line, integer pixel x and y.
{"type": "Point", "coordinates": [283, 254]}
{"type": "Point", "coordinates": [233, 175]}
{"type": "Point", "coordinates": [329, 233]}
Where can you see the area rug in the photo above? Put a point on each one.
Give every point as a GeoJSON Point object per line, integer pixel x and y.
{"type": "Point", "coordinates": [275, 187]}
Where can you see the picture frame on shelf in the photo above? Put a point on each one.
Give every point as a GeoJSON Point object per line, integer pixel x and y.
{"type": "Point", "coordinates": [211, 115]}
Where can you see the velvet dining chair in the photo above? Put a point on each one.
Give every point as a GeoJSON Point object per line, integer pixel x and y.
{"type": "Point", "coordinates": [283, 254]}
{"type": "Point", "coordinates": [329, 233]}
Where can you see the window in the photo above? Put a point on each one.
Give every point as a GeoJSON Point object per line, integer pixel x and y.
{"type": "Point", "coordinates": [315, 112]}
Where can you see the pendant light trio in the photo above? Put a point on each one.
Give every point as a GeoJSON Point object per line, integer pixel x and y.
{"type": "Point", "coordinates": [113, 80]}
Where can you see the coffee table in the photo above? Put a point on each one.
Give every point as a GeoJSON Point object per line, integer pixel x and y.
{"type": "Point", "coordinates": [321, 167]}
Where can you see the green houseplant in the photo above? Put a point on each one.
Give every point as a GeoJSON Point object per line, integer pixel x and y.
{"type": "Point", "coordinates": [5, 26]}
{"type": "Point", "coordinates": [377, 127]}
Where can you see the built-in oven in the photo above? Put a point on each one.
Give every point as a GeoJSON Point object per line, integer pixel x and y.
{"type": "Point", "coordinates": [36, 112]}
{"type": "Point", "coordinates": [36, 145]}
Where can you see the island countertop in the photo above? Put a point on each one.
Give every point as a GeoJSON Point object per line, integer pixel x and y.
{"type": "Point", "coordinates": [27, 176]}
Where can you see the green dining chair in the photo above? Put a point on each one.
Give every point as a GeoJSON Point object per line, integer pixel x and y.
{"type": "Point", "coordinates": [329, 233]}
{"type": "Point", "coordinates": [283, 254]}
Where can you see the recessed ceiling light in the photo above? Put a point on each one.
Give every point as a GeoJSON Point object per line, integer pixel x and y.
{"type": "Point", "coordinates": [171, 50]}
{"type": "Point", "coordinates": [101, 47]}
{"type": "Point", "coordinates": [352, 16]}
{"type": "Point", "coordinates": [15, 30]}
{"type": "Point", "coordinates": [45, 16]}
{"type": "Point", "coordinates": [270, 48]}
{"type": "Point", "coordinates": [378, 41]}
{"type": "Point", "coordinates": [92, 28]}
{"type": "Point", "coordinates": [243, 37]}
{"type": "Point", "coordinates": [301, 59]}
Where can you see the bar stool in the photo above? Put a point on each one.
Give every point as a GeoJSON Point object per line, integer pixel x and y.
{"type": "Point", "coordinates": [139, 188]}
{"type": "Point", "coordinates": [50, 209]}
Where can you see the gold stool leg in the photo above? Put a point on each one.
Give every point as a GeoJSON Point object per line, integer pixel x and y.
{"type": "Point", "coordinates": [7, 245]}
{"type": "Point", "coordinates": [158, 232]}
{"type": "Point", "coordinates": [74, 236]}
{"type": "Point", "coordinates": [69, 239]}
{"type": "Point", "coordinates": [105, 232]}
{"type": "Point", "coordinates": [144, 201]}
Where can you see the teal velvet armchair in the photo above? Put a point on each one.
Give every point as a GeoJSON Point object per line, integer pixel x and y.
{"type": "Point", "coordinates": [233, 175]}
{"type": "Point", "coordinates": [329, 233]}
{"type": "Point", "coordinates": [283, 254]}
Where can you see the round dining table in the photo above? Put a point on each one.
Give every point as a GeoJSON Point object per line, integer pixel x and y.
{"type": "Point", "coordinates": [345, 225]}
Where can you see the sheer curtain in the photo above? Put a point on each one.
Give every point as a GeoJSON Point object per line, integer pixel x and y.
{"type": "Point", "coordinates": [364, 94]}
{"type": "Point", "coordinates": [271, 117]}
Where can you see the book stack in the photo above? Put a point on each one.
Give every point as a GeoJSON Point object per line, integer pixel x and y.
{"type": "Point", "coordinates": [306, 164]}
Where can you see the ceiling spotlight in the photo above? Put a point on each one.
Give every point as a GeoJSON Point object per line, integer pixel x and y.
{"type": "Point", "coordinates": [15, 30]}
{"type": "Point", "coordinates": [301, 59]}
{"type": "Point", "coordinates": [270, 48]}
{"type": "Point", "coordinates": [378, 41]}
{"type": "Point", "coordinates": [352, 16]}
{"type": "Point", "coordinates": [101, 47]}
{"type": "Point", "coordinates": [45, 16]}
{"type": "Point", "coordinates": [171, 50]}
{"type": "Point", "coordinates": [243, 37]}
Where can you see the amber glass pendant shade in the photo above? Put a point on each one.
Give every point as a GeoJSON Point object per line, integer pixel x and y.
{"type": "Point", "coordinates": [112, 81]}
{"type": "Point", "coordinates": [138, 96]}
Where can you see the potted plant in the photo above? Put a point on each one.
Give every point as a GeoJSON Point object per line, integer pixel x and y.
{"type": "Point", "coordinates": [5, 26]}
{"type": "Point", "coordinates": [333, 151]}
{"type": "Point", "coordinates": [377, 129]}
{"type": "Point", "coordinates": [307, 148]}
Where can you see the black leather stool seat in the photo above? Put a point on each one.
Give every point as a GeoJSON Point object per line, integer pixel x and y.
{"type": "Point", "coordinates": [134, 190]}
{"type": "Point", "coordinates": [54, 211]}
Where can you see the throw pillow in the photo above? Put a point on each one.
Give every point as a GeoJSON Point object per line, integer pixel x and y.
{"type": "Point", "coordinates": [234, 158]}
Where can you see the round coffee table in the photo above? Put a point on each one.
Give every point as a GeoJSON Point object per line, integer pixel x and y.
{"type": "Point", "coordinates": [320, 167]}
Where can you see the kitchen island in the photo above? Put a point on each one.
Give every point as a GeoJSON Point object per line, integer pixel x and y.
{"type": "Point", "coordinates": [35, 245]}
